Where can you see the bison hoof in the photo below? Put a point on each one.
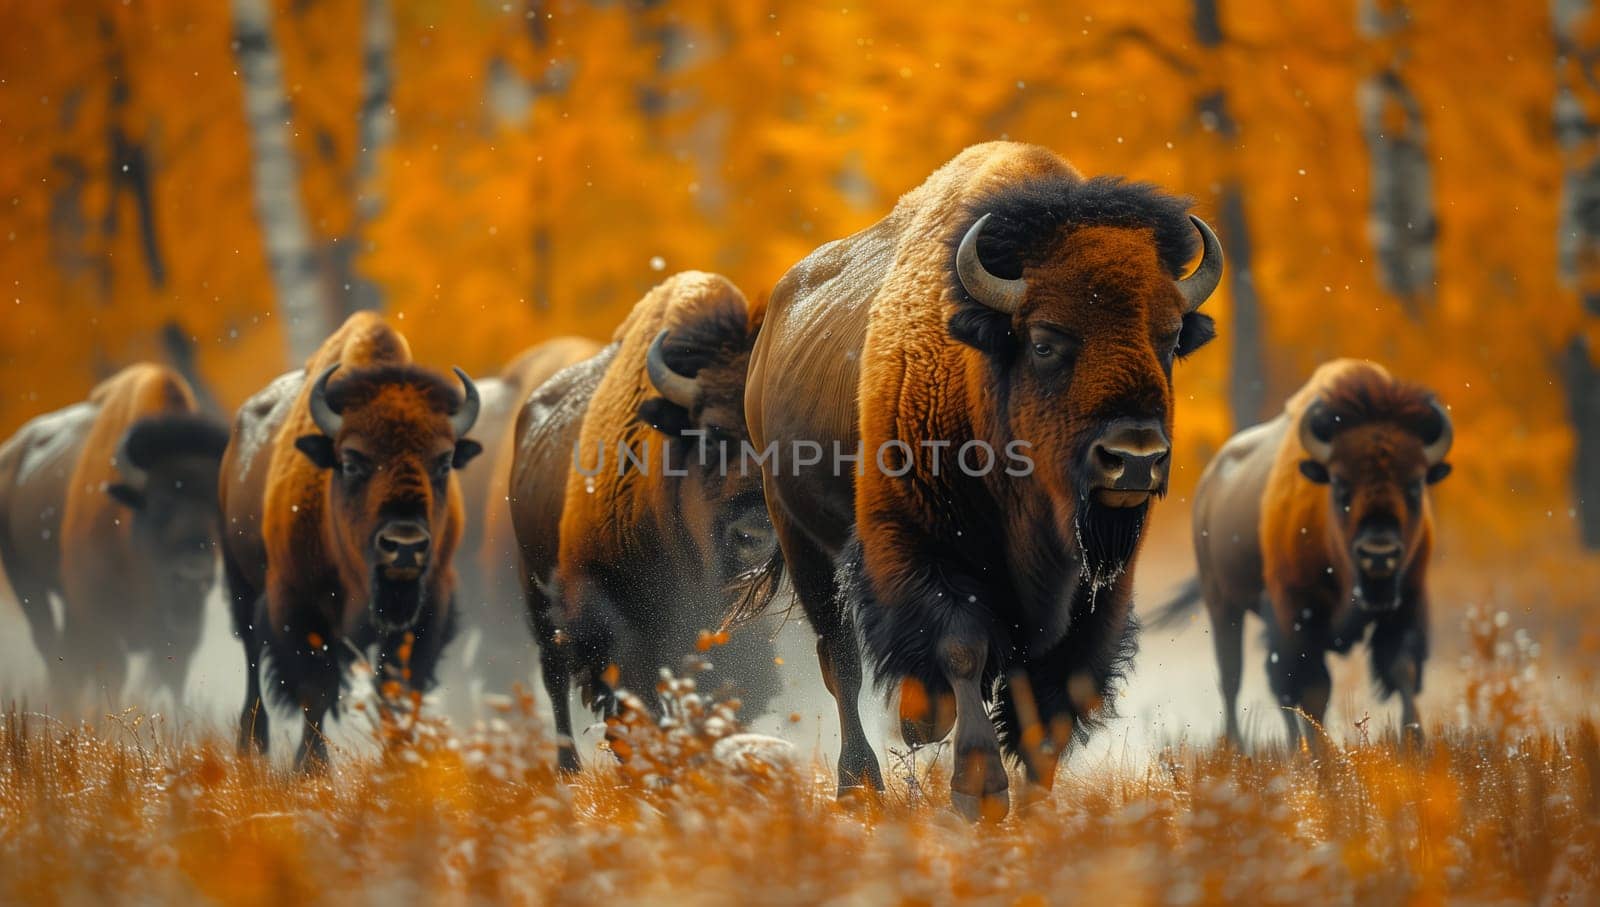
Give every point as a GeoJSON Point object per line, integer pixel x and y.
{"type": "Point", "coordinates": [1411, 738]}
{"type": "Point", "coordinates": [989, 808]}
{"type": "Point", "coordinates": [567, 760]}
{"type": "Point", "coordinates": [857, 798]}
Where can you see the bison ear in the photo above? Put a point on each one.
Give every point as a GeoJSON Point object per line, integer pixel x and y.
{"type": "Point", "coordinates": [1198, 330]}
{"type": "Point", "coordinates": [1437, 473]}
{"type": "Point", "coordinates": [983, 329]}
{"type": "Point", "coordinates": [318, 449]}
{"type": "Point", "coordinates": [1314, 471]}
{"type": "Point", "coordinates": [665, 416]}
{"type": "Point", "coordinates": [466, 449]}
{"type": "Point", "coordinates": [126, 495]}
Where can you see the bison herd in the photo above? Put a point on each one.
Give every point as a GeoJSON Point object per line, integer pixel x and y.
{"type": "Point", "coordinates": [945, 433]}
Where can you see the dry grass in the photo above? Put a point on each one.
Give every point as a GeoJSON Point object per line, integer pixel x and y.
{"type": "Point", "coordinates": [1507, 811]}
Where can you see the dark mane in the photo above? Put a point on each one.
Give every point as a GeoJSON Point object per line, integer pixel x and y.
{"type": "Point", "coordinates": [156, 439]}
{"type": "Point", "coordinates": [1366, 396]}
{"type": "Point", "coordinates": [1029, 216]}
{"type": "Point", "coordinates": [359, 385]}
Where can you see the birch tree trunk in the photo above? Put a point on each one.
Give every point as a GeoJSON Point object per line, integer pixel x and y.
{"type": "Point", "coordinates": [1247, 392]}
{"type": "Point", "coordinates": [1402, 221]}
{"type": "Point", "coordinates": [375, 129]}
{"type": "Point", "coordinates": [1578, 245]}
{"type": "Point", "coordinates": [290, 256]}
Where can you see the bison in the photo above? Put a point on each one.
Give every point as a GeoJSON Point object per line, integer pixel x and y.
{"type": "Point", "coordinates": [341, 514]}
{"type": "Point", "coordinates": [1010, 314]}
{"type": "Point", "coordinates": [111, 505]}
{"type": "Point", "coordinates": [1319, 521]}
{"type": "Point", "coordinates": [489, 564]}
{"type": "Point", "coordinates": [636, 525]}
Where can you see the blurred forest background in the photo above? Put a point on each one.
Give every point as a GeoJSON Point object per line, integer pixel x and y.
{"type": "Point", "coordinates": [216, 184]}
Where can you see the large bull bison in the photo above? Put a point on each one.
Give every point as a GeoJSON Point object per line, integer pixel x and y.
{"type": "Point", "coordinates": [999, 351]}
{"type": "Point", "coordinates": [342, 513]}
{"type": "Point", "coordinates": [1319, 521]}
{"type": "Point", "coordinates": [111, 505]}
{"type": "Point", "coordinates": [489, 564]}
{"type": "Point", "coordinates": [629, 556]}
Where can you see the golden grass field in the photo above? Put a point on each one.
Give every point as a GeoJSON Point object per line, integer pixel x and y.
{"type": "Point", "coordinates": [1501, 806]}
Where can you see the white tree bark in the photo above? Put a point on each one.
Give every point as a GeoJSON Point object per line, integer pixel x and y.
{"type": "Point", "coordinates": [374, 131]}
{"type": "Point", "coordinates": [290, 256]}
{"type": "Point", "coordinates": [1247, 392]}
{"type": "Point", "coordinates": [1578, 246]}
{"type": "Point", "coordinates": [1402, 220]}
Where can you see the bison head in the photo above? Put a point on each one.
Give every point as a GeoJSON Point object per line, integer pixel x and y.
{"type": "Point", "coordinates": [1072, 291]}
{"type": "Point", "coordinates": [168, 467]}
{"type": "Point", "coordinates": [700, 376]}
{"type": "Point", "coordinates": [1377, 445]}
{"type": "Point", "coordinates": [391, 435]}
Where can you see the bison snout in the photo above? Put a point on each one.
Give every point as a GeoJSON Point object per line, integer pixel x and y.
{"type": "Point", "coordinates": [403, 546]}
{"type": "Point", "coordinates": [1378, 555]}
{"type": "Point", "coordinates": [1129, 462]}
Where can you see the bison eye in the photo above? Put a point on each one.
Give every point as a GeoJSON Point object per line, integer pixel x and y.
{"type": "Point", "coordinates": [1043, 350]}
{"type": "Point", "coordinates": [354, 466]}
{"type": "Point", "coordinates": [441, 468]}
{"type": "Point", "coordinates": [1342, 495]}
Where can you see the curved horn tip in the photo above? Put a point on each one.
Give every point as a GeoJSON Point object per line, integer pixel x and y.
{"type": "Point", "coordinates": [1318, 448]}
{"type": "Point", "coordinates": [1436, 450]}
{"type": "Point", "coordinates": [466, 416]}
{"type": "Point", "coordinates": [998, 293]}
{"type": "Point", "coordinates": [123, 460]}
{"type": "Point", "coordinates": [674, 386]}
{"type": "Point", "coordinates": [323, 415]}
{"type": "Point", "coordinates": [1198, 286]}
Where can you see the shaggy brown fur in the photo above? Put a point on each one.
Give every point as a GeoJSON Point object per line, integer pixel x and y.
{"type": "Point", "coordinates": [626, 566]}
{"type": "Point", "coordinates": [303, 511]}
{"type": "Point", "coordinates": [1277, 533]}
{"type": "Point", "coordinates": [965, 581]}
{"type": "Point", "coordinates": [128, 546]}
{"type": "Point", "coordinates": [490, 591]}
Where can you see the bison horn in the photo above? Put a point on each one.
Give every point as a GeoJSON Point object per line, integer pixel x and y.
{"type": "Point", "coordinates": [674, 386]}
{"type": "Point", "coordinates": [1434, 451]}
{"type": "Point", "coordinates": [132, 472]}
{"type": "Point", "coordinates": [327, 421]}
{"type": "Point", "coordinates": [466, 415]}
{"type": "Point", "coordinates": [1316, 446]}
{"type": "Point", "coordinates": [1198, 287]}
{"type": "Point", "coordinates": [998, 293]}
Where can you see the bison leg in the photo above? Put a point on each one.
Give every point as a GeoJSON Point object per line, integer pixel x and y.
{"type": "Point", "coordinates": [92, 660]}
{"type": "Point", "coordinates": [315, 681]}
{"type": "Point", "coordinates": [253, 719]}
{"type": "Point", "coordinates": [1300, 681]}
{"type": "Point", "coordinates": [979, 786]}
{"type": "Point", "coordinates": [419, 668]}
{"type": "Point", "coordinates": [840, 662]}
{"type": "Point", "coordinates": [248, 610]}
{"type": "Point", "coordinates": [811, 572]}
{"type": "Point", "coordinates": [170, 671]}
{"type": "Point", "coordinates": [33, 597]}
{"type": "Point", "coordinates": [1227, 638]}
{"type": "Point", "coordinates": [926, 715]}
{"type": "Point", "coordinates": [555, 668]}
{"type": "Point", "coordinates": [1399, 648]}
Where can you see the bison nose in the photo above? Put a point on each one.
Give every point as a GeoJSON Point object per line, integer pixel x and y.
{"type": "Point", "coordinates": [403, 544]}
{"type": "Point", "coordinates": [1130, 455]}
{"type": "Point", "coordinates": [1378, 555]}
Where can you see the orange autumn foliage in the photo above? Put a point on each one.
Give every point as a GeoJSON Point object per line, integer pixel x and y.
{"type": "Point", "coordinates": [552, 159]}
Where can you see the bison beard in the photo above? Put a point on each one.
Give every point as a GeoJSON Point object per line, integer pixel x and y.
{"type": "Point", "coordinates": [396, 604]}
{"type": "Point", "coordinates": [1108, 538]}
